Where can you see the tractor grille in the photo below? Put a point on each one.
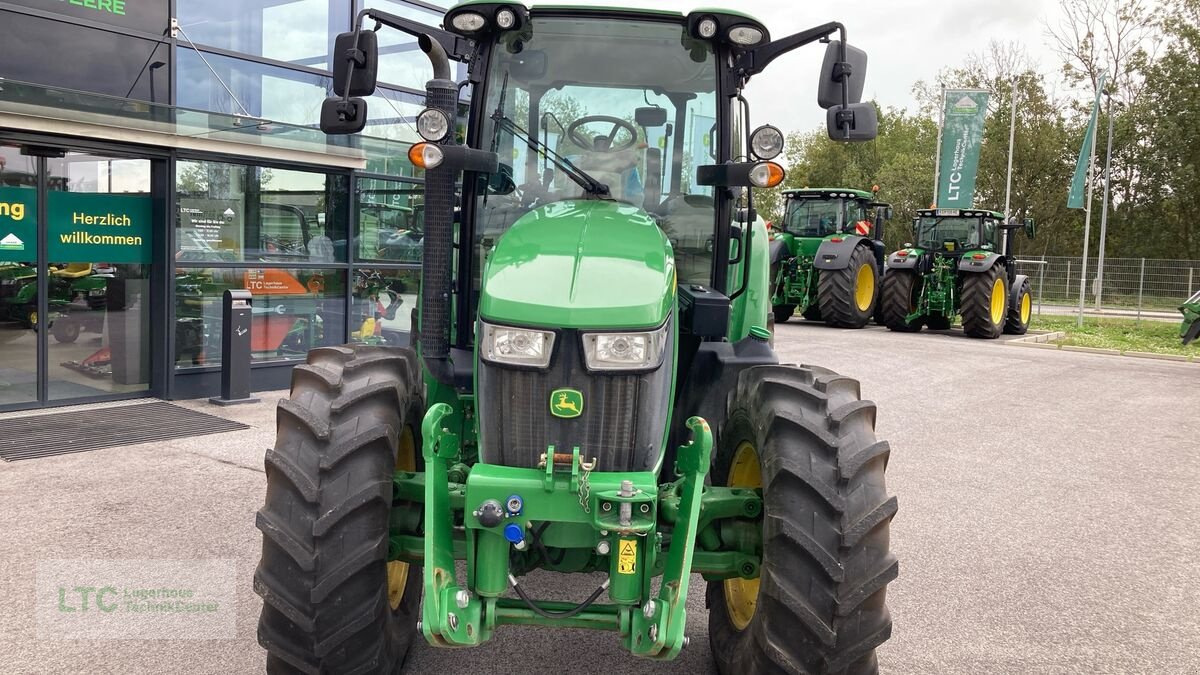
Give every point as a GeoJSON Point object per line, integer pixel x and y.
{"type": "Point", "coordinates": [622, 424]}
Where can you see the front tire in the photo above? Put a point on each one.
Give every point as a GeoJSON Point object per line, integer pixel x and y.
{"type": "Point", "coordinates": [818, 606]}
{"type": "Point", "coordinates": [985, 303]}
{"type": "Point", "coordinates": [900, 297]}
{"type": "Point", "coordinates": [332, 603]}
{"type": "Point", "coordinates": [847, 296]}
{"type": "Point", "coordinates": [1020, 311]}
{"type": "Point", "coordinates": [65, 331]}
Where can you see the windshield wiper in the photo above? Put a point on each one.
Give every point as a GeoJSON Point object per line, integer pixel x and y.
{"type": "Point", "coordinates": [502, 121]}
{"type": "Point", "coordinates": [589, 184]}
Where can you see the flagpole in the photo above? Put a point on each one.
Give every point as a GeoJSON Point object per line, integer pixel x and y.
{"type": "Point", "coordinates": [1012, 137]}
{"type": "Point", "coordinates": [937, 156]}
{"type": "Point", "coordinates": [1087, 229]}
{"type": "Point", "coordinates": [1104, 208]}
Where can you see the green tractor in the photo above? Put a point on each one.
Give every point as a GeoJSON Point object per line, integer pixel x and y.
{"type": "Point", "coordinates": [827, 256]}
{"type": "Point", "coordinates": [574, 403]}
{"type": "Point", "coordinates": [1190, 328]}
{"type": "Point", "coordinates": [962, 263]}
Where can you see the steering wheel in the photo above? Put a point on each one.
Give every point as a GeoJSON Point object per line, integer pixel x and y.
{"type": "Point", "coordinates": [573, 132]}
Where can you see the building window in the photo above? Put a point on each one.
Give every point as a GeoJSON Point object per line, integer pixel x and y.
{"type": "Point", "coordinates": [297, 31]}
{"type": "Point", "coordinates": [85, 59]}
{"type": "Point", "coordinates": [295, 310]}
{"type": "Point", "coordinates": [384, 305]}
{"type": "Point", "coordinates": [237, 212]}
{"type": "Point", "coordinates": [391, 222]}
{"type": "Point", "coordinates": [280, 233]}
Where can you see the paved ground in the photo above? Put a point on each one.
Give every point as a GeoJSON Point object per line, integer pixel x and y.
{"type": "Point", "coordinates": [1046, 525]}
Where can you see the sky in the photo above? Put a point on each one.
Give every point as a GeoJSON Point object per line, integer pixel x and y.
{"type": "Point", "coordinates": [905, 40]}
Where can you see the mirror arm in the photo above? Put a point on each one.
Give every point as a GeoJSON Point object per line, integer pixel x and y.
{"type": "Point", "coordinates": [457, 48]}
{"type": "Point", "coordinates": [756, 60]}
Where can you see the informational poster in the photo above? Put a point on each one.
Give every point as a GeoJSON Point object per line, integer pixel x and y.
{"type": "Point", "coordinates": [99, 227]}
{"type": "Point", "coordinates": [18, 224]}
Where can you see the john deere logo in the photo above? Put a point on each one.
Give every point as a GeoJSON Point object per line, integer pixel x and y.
{"type": "Point", "coordinates": [566, 403]}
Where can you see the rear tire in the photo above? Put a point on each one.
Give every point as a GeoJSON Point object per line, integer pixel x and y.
{"type": "Point", "coordinates": [820, 602]}
{"type": "Point", "coordinates": [900, 294]}
{"type": "Point", "coordinates": [847, 296]}
{"type": "Point", "coordinates": [984, 302]}
{"type": "Point", "coordinates": [1020, 311]}
{"type": "Point", "coordinates": [352, 418]}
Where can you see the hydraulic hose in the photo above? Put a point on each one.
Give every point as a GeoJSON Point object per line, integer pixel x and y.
{"type": "Point", "coordinates": [557, 615]}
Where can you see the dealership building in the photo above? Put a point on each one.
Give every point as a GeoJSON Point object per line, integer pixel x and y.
{"type": "Point", "coordinates": [156, 153]}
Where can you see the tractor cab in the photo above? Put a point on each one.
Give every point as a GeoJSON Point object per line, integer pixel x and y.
{"type": "Point", "coordinates": [951, 232]}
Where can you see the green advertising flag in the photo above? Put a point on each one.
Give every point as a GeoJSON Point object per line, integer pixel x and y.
{"type": "Point", "coordinates": [99, 227]}
{"type": "Point", "coordinates": [962, 138]}
{"type": "Point", "coordinates": [1079, 180]}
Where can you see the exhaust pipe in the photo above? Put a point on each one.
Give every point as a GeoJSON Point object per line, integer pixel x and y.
{"type": "Point", "coordinates": [441, 93]}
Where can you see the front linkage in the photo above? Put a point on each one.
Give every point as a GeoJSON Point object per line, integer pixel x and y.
{"type": "Point", "coordinates": [622, 523]}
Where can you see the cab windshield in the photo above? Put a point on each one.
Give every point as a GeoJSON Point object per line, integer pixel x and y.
{"type": "Point", "coordinates": [821, 217]}
{"type": "Point", "coordinates": [938, 232]}
{"type": "Point", "coordinates": [629, 104]}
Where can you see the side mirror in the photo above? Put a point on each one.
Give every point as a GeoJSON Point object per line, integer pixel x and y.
{"type": "Point", "coordinates": [856, 122]}
{"type": "Point", "coordinates": [834, 74]}
{"type": "Point", "coordinates": [362, 50]}
{"type": "Point", "coordinates": [1030, 228]}
{"type": "Point", "coordinates": [650, 117]}
{"type": "Point", "coordinates": [343, 117]}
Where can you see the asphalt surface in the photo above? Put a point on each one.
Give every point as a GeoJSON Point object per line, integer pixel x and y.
{"type": "Point", "coordinates": [1047, 522]}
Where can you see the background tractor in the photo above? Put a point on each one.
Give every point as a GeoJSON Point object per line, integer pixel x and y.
{"type": "Point", "coordinates": [1190, 328]}
{"type": "Point", "coordinates": [827, 256]}
{"type": "Point", "coordinates": [962, 263]}
{"type": "Point", "coordinates": [578, 401]}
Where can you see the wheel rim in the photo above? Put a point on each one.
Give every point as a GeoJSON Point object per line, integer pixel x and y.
{"type": "Point", "coordinates": [33, 317]}
{"type": "Point", "coordinates": [998, 301]}
{"type": "Point", "coordinates": [1026, 307]}
{"type": "Point", "coordinates": [741, 595]}
{"type": "Point", "coordinates": [397, 571]}
{"type": "Point", "coordinates": [864, 288]}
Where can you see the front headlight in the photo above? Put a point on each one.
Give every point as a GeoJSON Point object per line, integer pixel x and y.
{"type": "Point", "coordinates": [517, 346]}
{"type": "Point", "coordinates": [625, 351]}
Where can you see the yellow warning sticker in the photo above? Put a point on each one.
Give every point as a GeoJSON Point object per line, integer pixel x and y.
{"type": "Point", "coordinates": [627, 556]}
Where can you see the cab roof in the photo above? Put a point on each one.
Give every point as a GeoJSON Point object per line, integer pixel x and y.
{"type": "Point", "coordinates": [627, 9]}
{"type": "Point", "coordinates": [830, 193]}
{"type": "Point", "coordinates": [964, 213]}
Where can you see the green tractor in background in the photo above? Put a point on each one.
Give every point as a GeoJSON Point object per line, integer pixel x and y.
{"type": "Point", "coordinates": [1190, 328]}
{"type": "Point", "coordinates": [962, 263]}
{"type": "Point", "coordinates": [827, 256]}
{"type": "Point", "coordinates": [575, 402]}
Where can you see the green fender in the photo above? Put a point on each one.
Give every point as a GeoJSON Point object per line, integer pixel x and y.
{"type": "Point", "coordinates": [750, 308]}
{"type": "Point", "coordinates": [969, 263]}
{"type": "Point", "coordinates": [906, 262]}
{"type": "Point", "coordinates": [834, 252]}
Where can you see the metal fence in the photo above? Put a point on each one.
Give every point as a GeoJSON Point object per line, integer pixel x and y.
{"type": "Point", "coordinates": [1129, 283]}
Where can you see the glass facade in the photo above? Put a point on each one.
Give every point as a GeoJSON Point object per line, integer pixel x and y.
{"type": "Point", "coordinates": [330, 254]}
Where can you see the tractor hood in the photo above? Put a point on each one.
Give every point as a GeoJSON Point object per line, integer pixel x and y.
{"type": "Point", "coordinates": [580, 264]}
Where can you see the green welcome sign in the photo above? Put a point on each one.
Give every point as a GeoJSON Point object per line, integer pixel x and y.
{"type": "Point", "coordinates": [112, 228]}
{"type": "Point", "coordinates": [18, 224]}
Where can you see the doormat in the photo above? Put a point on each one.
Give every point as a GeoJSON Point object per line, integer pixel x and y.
{"type": "Point", "coordinates": [62, 433]}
